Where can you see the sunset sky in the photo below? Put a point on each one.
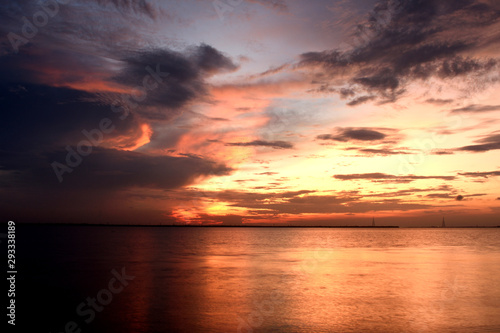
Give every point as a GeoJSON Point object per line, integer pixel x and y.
{"type": "Point", "coordinates": [255, 111]}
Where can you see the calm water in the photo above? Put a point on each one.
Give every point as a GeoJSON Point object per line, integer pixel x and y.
{"type": "Point", "coordinates": [260, 280]}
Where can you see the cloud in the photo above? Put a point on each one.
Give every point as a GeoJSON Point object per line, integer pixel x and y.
{"type": "Point", "coordinates": [40, 118]}
{"type": "Point", "coordinates": [489, 142]}
{"type": "Point", "coordinates": [383, 151]}
{"type": "Point", "coordinates": [441, 152]}
{"type": "Point", "coordinates": [105, 47]}
{"type": "Point", "coordinates": [478, 108]}
{"type": "Point", "coordinates": [361, 100]}
{"type": "Point", "coordinates": [388, 178]}
{"type": "Point", "coordinates": [450, 196]}
{"type": "Point", "coordinates": [97, 27]}
{"type": "Point", "coordinates": [279, 5]}
{"type": "Point", "coordinates": [40, 123]}
{"type": "Point", "coordinates": [101, 181]}
{"type": "Point", "coordinates": [307, 202]}
{"type": "Point", "coordinates": [399, 43]}
{"type": "Point", "coordinates": [144, 7]}
{"type": "Point", "coordinates": [328, 204]}
{"type": "Point", "coordinates": [263, 143]}
{"type": "Point", "coordinates": [440, 195]}
{"type": "Point", "coordinates": [54, 67]}
{"type": "Point", "coordinates": [155, 83]}
{"type": "Point", "coordinates": [349, 134]}
{"type": "Point", "coordinates": [480, 174]}
{"type": "Point", "coordinates": [112, 169]}
{"type": "Point", "coordinates": [439, 101]}
{"type": "Point", "coordinates": [409, 192]}
{"type": "Point", "coordinates": [182, 75]}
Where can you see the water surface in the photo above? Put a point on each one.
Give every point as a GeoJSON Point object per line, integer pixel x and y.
{"type": "Point", "coordinates": [262, 279]}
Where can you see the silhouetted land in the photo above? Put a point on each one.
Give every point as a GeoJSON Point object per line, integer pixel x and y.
{"type": "Point", "coordinates": [250, 226]}
{"type": "Point", "coordinates": [204, 226]}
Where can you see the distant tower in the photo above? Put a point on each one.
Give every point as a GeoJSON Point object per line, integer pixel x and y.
{"type": "Point", "coordinates": [443, 225]}
{"type": "Point", "coordinates": [373, 222]}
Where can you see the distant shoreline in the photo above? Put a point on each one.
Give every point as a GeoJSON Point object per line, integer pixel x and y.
{"type": "Point", "coordinates": [246, 226]}
{"type": "Point", "coordinates": [203, 226]}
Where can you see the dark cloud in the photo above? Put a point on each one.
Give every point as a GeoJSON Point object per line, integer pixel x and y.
{"type": "Point", "coordinates": [263, 143]}
{"type": "Point", "coordinates": [162, 82]}
{"type": "Point", "coordinates": [110, 169]}
{"type": "Point", "coordinates": [328, 205]}
{"type": "Point", "coordinates": [410, 192]}
{"type": "Point", "coordinates": [347, 92]}
{"type": "Point", "coordinates": [439, 101]}
{"type": "Point", "coordinates": [99, 56]}
{"type": "Point", "coordinates": [480, 174]}
{"type": "Point", "coordinates": [39, 123]}
{"type": "Point", "coordinates": [181, 75]}
{"type": "Point", "coordinates": [489, 142]}
{"type": "Point", "coordinates": [96, 27]}
{"type": "Point", "coordinates": [408, 40]}
{"type": "Point", "coordinates": [54, 66]}
{"type": "Point", "coordinates": [388, 178]}
{"type": "Point", "coordinates": [210, 60]}
{"type": "Point", "coordinates": [383, 151]}
{"type": "Point", "coordinates": [100, 180]}
{"type": "Point", "coordinates": [440, 196]}
{"type": "Point", "coordinates": [132, 7]}
{"type": "Point", "coordinates": [451, 196]}
{"type": "Point", "coordinates": [442, 152]}
{"type": "Point", "coordinates": [279, 5]}
{"type": "Point", "coordinates": [244, 180]}
{"type": "Point", "coordinates": [290, 202]}
{"type": "Point", "coordinates": [191, 65]}
{"type": "Point", "coordinates": [478, 108]}
{"type": "Point", "coordinates": [380, 80]}
{"type": "Point", "coordinates": [40, 118]}
{"type": "Point", "coordinates": [349, 133]}
{"type": "Point", "coordinates": [459, 66]}
{"type": "Point", "coordinates": [361, 100]}
{"type": "Point", "coordinates": [309, 202]}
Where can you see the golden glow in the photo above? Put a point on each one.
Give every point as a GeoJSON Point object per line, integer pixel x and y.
{"type": "Point", "coordinates": [145, 137]}
{"type": "Point", "coordinates": [185, 216]}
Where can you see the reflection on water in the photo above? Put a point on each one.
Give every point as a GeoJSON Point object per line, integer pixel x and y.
{"type": "Point", "coordinates": [272, 280]}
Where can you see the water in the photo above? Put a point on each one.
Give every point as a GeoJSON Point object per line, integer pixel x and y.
{"type": "Point", "coordinates": [259, 280]}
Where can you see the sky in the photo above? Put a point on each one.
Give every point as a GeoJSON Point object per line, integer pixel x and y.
{"type": "Point", "coordinates": [250, 112]}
